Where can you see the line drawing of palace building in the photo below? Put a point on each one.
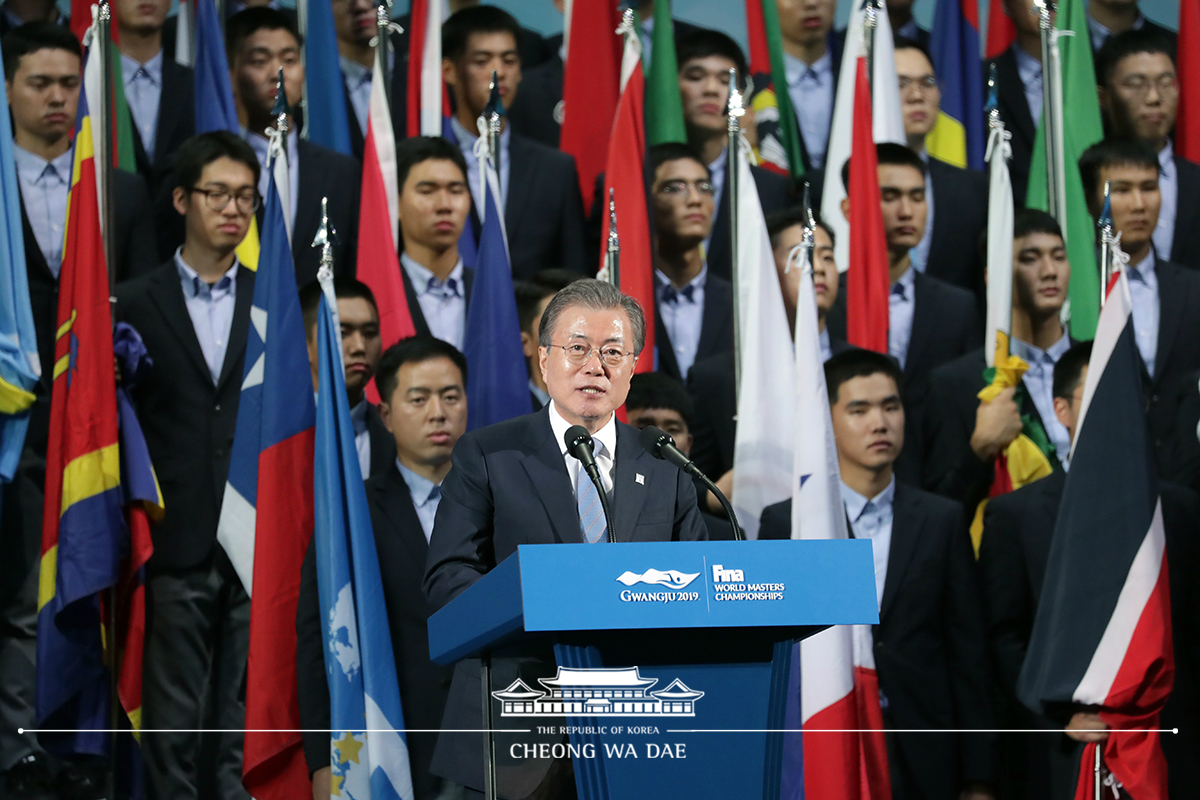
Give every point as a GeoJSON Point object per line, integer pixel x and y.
{"type": "Point", "coordinates": [600, 692]}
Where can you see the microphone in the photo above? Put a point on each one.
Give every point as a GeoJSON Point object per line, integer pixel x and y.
{"type": "Point", "coordinates": [579, 445]}
{"type": "Point", "coordinates": [659, 444]}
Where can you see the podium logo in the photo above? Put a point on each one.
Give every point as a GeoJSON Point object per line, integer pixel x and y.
{"type": "Point", "coordinates": [598, 692]}
{"type": "Point", "coordinates": [672, 579]}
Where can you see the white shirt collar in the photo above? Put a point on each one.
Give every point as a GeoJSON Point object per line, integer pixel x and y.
{"type": "Point", "coordinates": [606, 436]}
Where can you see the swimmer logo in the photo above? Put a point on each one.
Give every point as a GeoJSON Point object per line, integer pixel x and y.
{"type": "Point", "coordinates": [672, 579]}
{"type": "Point", "coordinates": [599, 692]}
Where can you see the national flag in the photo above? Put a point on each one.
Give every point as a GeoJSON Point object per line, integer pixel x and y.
{"type": "Point", "coordinates": [83, 16]}
{"type": "Point", "coordinates": [185, 39]}
{"type": "Point", "coordinates": [839, 690]}
{"type": "Point", "coordinates": [426, 91]}
{"type": "Point", "coordinates": [591, 88]}
{"type": "Point", "coordinates": [957, 137]}
{"type": "Point", "coordinates": [267, 512]}
{"type": "Point", "coordinates": [867, 282]}
{"type": "Point", "coordinates": [762, 451]}
{"type": "Point", "coordinates": [215, 110]}
{"type": "Point", "coordinates": [1001, 32]}
{"type": "Point", "coordinates": [664, 104]}
{"type": "Point", "coordinates": [20, 368]}
{"type": "Point", "coordinates": [364, 695]}
{"type": "Point", "coordinates": [1102, 630]}
{"type": "Point", "coordinates": [379, 221]}
{"type": "Point", "coordinates": [1078, 127]}
{"type": "Point", "coordinates": [887, 121]}
{"type": "Point", "coordinates": [625, 177]}
{"type": "Point", "coordinates": [1187, 121]}
{"type": "Point", "coordinates": [499, 384]}
{"type": "Point", "coordinates": [782, 150]}
{"type": "Point", "coordinates": [326, 118]}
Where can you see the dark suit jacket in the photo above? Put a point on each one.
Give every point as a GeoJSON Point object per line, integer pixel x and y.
{"type": "Point", "coordinates": [383, 444]}
{"type": "Point", "coordinates": [414, 306]}
{"type": "Point", "coordinates": [929, 645]}
{"type": "Point", "coordinates": [710, 384]}
{"type": "Point", "coordinates": [188, 422]}
{"type": "Point", "coordinates": [951, 468]}
{"type": "Point", "coordinates": [1185, 247]}
{"type": "Point", "coordinates": [1014, 110]}
{"type": "Point", "coordinates": [716, 329]}
{"type": "Point", "coordinates": [401, 548]}
{"type": "Point", "coordinates": [1177, 356]}
{"type": "Point", "coordinates": [510, 486]}
{"type": "Point", "coordinates": [1017, 532]}
{"type": "Point", "coordinates": [960, 200]}
{"type": "Point", "coordinates": [774, 193]}
{"type": "Point", "coordinates": [543, 213]}
{"type": "Point", "coordinates": [1183, 464]}
{"type": "Point", "coordinates": [176, 121]}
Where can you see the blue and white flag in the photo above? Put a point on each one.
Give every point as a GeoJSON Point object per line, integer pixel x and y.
{"type": "Point", "coordinates": [359, 663]}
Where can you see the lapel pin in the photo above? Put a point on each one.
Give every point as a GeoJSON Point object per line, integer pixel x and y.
{"type": "Point", "coordinates": [640, 479]}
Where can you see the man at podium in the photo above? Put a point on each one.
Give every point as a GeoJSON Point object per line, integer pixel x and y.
{"type": "Point", "coordinates": [516, 483]}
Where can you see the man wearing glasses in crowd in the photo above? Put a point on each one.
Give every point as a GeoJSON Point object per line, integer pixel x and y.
{"type": "Point", "coordinates": [193, 313]}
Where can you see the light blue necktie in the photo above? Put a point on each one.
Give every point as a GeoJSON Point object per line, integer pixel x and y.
{"type": "Point", "coordinates": [587, 500]}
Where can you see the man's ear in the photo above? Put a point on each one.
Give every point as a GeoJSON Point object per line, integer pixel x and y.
{"type": "Point", "coordinates": [449, 73]}
{"type": "Point", "coordinates": [1062, 411]}
{"type": "Point", "coordinates": [528, 344]}
{"type": "Point", "coordinates": [846, 208]}
{"type": "Point", "coordinates": [180, 200]}
{"type": "Point", "coordinates": [385, 413]}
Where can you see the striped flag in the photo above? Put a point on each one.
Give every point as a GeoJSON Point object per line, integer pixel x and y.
{"type": "Point", "coordinates": [267, 512]}
{"type": "Point", "coordinates": [326, 118]}
{"type": "Point", "coordinates": [364, 696]}
{"type": "Point", "coordinates": [839, 690]}
{"type": "Point", "coordinates": [781, 150]}
{"type": "Point", "coordinates": [426, 95]}
{"type": "Point", "coordinates": [624, 175]}
{"type": "Point", "coordinates": [591, 87]}
{"type": "Point", "coordinates": [1102, 631]}
{"type": "Point", "coordinates": [499, 386]}
{"type": "Point", "coordinates": [762, 451]}
{"type": "Point", "coordinates": [957, 137]}
{"type": "Point", "coordinates": [1187, 122]}
{"type": "Point", "coordinates": [887, 122]}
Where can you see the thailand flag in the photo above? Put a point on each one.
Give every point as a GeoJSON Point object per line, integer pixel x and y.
{"type": "Point", "coordinates": [1102, 633]}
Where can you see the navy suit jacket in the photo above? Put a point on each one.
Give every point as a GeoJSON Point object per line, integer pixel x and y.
{"type": "Point", "coordinates": [1014, 111]}
{"type": "Point", "coordinates": [1185, 247]}
{"type": "Point", "coordinates": [960, 204]}
{"type": "Point", "coordinates": [716, 328]}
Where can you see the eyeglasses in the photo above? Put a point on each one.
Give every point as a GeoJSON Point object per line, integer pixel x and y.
{"type": "Point", "coordinates": [217, 199]}
{"type": "Point", "coordinates": [681, 187]}
{"type": "Point", "coordinates": [580, 354]}
{"type": "Point", "coordinates": [1140, 84]}
{"type": "Point", "coordinates": [926, 83]}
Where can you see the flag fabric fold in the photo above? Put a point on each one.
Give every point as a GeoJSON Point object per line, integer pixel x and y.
{"type": "Point", "coordinates": [624, 176]}
{"type": "Point", "coordinates": [957, 137]}
{"type": "Point", "coordinates": [425, 88]}
{"type": "Point", "coordinates": [267, 513]}
{"type": "Point", "coordinates": [591, 88]}
{"type": "Point", "coordinates": [498, 388]}
{"type": "Point", "coordinates": [762, 452]}
{"type": "Point", "coordinates": [664, 105]}
{"type": "Point", "coordinates": [364, 696]}
{"type": "Point", "coordinates": [326, 118]}
{"type": "Point", "coordinates": [1102, 631]}
{"type": "Point", "coordinates": [1187, 121]}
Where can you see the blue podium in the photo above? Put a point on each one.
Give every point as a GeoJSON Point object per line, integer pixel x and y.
{"type": "Point", "coordinates": [672, 657]}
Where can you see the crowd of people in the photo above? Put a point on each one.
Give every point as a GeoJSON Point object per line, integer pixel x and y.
{"type": "Point", "coordinates": [916, 446]}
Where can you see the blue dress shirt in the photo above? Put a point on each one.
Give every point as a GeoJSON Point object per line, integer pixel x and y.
{"type": "Point", "coordinates": [682, 312]}
{"type": "Point", "coordinates": [211, 308]}
{"type": "Point", "coordinates": [466, 143]}
{"type": "Point", "coordinates": [426, 495]}
{"type": "Point", "coordinates": [1143, 291]}
{"type": "Point", "coordinates": [872, 519]}
{"type": "Point", "coordinates": [1039, 382]}
{"type": "Point", "coordinates": [811, 89]}
{"type": "Point", "coordinates": [1168, 187]}
{"type": "Point", "coordinates": [358, 86]}
{"type": "Point", "coordinates": [143, 92]}
{"type": "Point", "coordinates": [901, 303]}
{"type": "Point", "coordinates": [443, 303]}
{"type": "Point", "coordinates": [261, 147]}
{"type": "Point", "coordinates": [44, 188]}
{"type": "Point", "coordinates": [1099, 33]}
{"type": "Point", "coordinates": [1030, 71]}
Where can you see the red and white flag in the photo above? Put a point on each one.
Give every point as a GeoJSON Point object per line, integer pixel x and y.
{"type": "Point", "coordinates": [593, 78]}
{"type": "Point", "coordinates": [427, 102]}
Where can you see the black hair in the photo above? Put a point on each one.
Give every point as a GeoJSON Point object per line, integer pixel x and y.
{"type": "Point", "coordinates": [890, 153]}
{"type": "Point", "coordinates": [249, 21]}
{"type": "Point", "coordinates": [780, 220]}
{"type": "Point", "coordinates": [659, 390]}
{"type": "Point", "coordinates": [343, 287]}
{"type": "Point", "coordinates": [856, 363]}
{"type": "Point", "coordinates": [660, 154]}
{"type": "Point", "coordinates": [1068, 371]}
{"type": "Point", "coordinates": [1112, 152]}
{"type": "Point", "coordinates": [414, 350]}
{"type": "Point", "coordinates": [703, 42]}
{"type": "Point", "coordinates": [904, 43]}
{"type": "Point", "coordinates": [199, 151]}
{"type": "Point", "coordinates": [418, 149]}
{"type": "Point", "coordinates": [34, 36]}
{"type": "Point", "coordinates": [530, 293]}
{"type": "Point", "coordinates": [1120, 46]}
{"type": "Point", "coordinates": [457, 30]}
{"type": "Point", "coordinates": [1034, 220]}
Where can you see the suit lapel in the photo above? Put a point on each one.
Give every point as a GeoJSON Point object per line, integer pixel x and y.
{"type": "Point", "coordinates": [241, 321]}
{"type": "Point", "coordinates": [308, 201]}
{"type": "Point", "coordinates": [662, 343]}
{"type": "Point", "coordinates": [629, 494]}
{"type": "Point", "coordinates": [548, 473]}
{"type": "Point", "coordinates": [414, 306]}
{"type": "Point", "coordinates": [922, 325]}
{"type": "Point", "coordinates": [718, 308]}
{"type": "Point", "coordinates": [521, 162]}
{"type": "Point", "coordinates": [1187, 210]}
{"type": "Point", "coordinates": [394, 499]}
{"type": "Point", "coordinates": [1173, 302]}
{"type": "Point", "coordinates": [33, 251]}
{"type": "Point", "coordinates": [1012, 95]}
{"type": "Point", "coordinates": [908, 520]}
{"type": "Point", "coordinates": [167, 294]}
{"type": "Point", "coordinates": [943, 204]}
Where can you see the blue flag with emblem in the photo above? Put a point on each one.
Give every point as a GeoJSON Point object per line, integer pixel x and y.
{"type": "Point", "coordinates": [359, 662]}
{"type": "Point", "coordinates": [498, 386]}
{"type": "Point", "coordinates": [19, 365]}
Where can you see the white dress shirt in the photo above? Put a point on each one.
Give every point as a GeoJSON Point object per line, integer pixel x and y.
{"type": "Point", "coordinates": [604, 440]}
